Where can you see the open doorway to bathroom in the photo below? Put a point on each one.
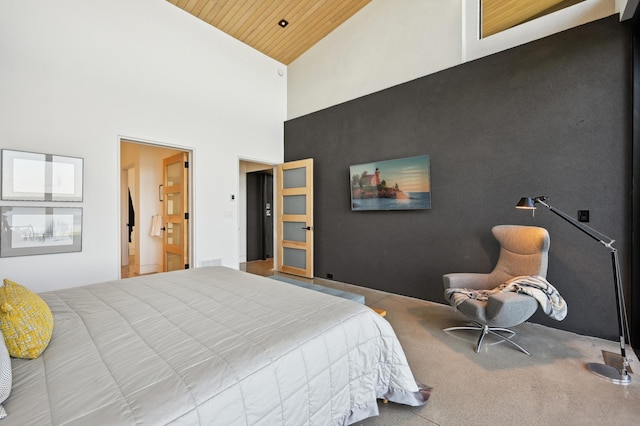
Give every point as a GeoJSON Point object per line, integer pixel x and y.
{"type": "Point", "coordinates": [143, 208]}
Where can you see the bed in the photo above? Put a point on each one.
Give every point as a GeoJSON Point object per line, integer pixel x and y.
{"type": "Point", "coordinates": [210, 346]}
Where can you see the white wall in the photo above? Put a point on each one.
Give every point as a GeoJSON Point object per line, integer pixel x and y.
{"type": "Point", "coordinates": [76, 75]}
{"type": "Point", "coordinates": [384, 44]}
{"type": "Point", "coordinates": [391, 42]}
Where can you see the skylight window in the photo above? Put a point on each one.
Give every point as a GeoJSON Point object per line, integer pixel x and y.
{"type": "Point", "coordinates": [500, 15]}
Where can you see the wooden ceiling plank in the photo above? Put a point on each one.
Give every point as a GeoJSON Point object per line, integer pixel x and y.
{"type": "Point", "coordinates": [305, 25]}
{"type": "Point", "coordinates": [242, 19]}
{"type": "Point", "coordinates": [237, 8]}
{"type": "Point", "coordinates": [213, 12]}
{"type": "Point", "coordinates": [224, 10]}
{"type": "Point", "coordinates": [198, 7]}
{"type": "Point", "coordinates": [297, 23]}
{"type": "Point", "coordinates": [190, 5]}
{"type": "Point", "coordinates": [249, 25]}
{"type": "Point", "coordinates": [208, 7]}
{"type": "Point", "coordinates": [264, 22]}
{"type": "Point", "coordinates": [269, 25]}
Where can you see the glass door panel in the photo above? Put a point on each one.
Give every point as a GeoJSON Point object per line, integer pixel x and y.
{"type": "Point", "coordinates": [173, 203]}
{"type": "Point", "coordinates": [294, 231]}
{"type": "Point", "coordinates": [174, 174]}
{"type": "Point", "coordinates": [173, 234]}
{"type": "Point", "coordinates": [294, 204]}
{"type": "Point", "coordinates": [294, 258]}
{"type": "Point", "coordinates": [174, 262]}
{"type": "Point", "coordinates": [294, 178]}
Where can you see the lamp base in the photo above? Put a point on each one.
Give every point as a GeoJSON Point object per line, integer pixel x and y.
{"type": "Point", "coordinates": [610, 373]}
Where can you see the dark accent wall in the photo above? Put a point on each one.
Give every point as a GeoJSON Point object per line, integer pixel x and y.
{"type": "Point", "coordinates": [552, 117]}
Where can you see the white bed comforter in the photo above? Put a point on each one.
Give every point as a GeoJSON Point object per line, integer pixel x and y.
{"type": "Point", "coordinates": [209, 346]}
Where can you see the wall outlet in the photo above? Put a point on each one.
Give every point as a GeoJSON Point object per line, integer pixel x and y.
{"type": "Point", "coordinates": [583, 215]}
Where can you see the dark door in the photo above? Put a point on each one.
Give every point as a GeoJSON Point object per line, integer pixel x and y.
{"type": "Point", "coordinates": [259, 216]}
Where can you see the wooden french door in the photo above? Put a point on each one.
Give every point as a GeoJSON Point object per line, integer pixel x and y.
{"type": "Point", "coordinates": [175, 241]}
{"type": "Point", "coordinates": [295, 218]}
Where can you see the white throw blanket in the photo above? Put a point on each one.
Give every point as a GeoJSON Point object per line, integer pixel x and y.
{"type": "Point", "coordinates": [535, 286]}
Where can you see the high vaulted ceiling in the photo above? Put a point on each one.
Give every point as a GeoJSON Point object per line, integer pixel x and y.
{"type": "Point", "coordinates": [256, 22]}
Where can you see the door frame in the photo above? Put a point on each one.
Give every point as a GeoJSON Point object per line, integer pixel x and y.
{"type": "Point", "coordinates": [125, 171]}
{"type": "Point", "coordinates": [241, 204]}
{"type": "Point", "coordinates": [191, 152]}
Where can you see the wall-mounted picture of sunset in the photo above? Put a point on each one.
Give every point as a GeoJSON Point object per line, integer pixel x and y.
{"type": "Point", "coordinates": [402, 184]}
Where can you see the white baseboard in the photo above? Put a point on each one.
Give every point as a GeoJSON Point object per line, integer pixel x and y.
{"type": "Point", "coordinates": [209, 262]}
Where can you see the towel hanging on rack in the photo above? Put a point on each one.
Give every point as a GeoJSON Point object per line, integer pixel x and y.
{"type": "Point", "coordinates": [156, 226]}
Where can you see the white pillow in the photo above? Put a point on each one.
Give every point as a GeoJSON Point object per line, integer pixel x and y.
{"type": "Point", "coordinates": [5, 375]}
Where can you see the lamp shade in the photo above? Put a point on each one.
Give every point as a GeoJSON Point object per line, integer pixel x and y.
{"type": "Point", "coordinates": [526, 203]}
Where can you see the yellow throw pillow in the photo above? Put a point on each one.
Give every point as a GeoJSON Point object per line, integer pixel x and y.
{"type": "Point", "coordinates": [25, 319]}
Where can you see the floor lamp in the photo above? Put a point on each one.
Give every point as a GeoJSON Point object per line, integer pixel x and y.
{"type": "Point", "coordinates": [609, 372]}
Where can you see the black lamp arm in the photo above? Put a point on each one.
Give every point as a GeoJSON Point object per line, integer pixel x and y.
{"type": "Point", "coordinates": [601, 238]}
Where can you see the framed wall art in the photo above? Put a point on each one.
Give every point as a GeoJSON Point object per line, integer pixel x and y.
{"type": "Point", "coordinates": [40, 230]}
{"type": "Point", "coordinates": [30, 176]}
{"type": "Point", "coordinates": [402, 184]}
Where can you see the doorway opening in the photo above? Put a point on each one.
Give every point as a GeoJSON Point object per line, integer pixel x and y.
{"type": "Point", "coordinates": [259, 215]}
{"type": "Point", "coordinates": [143, 207]}
{"type": "Point", "coordinates": [256, 216]}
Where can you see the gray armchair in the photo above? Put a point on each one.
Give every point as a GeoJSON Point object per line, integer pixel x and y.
{"type": "Point", "coordinates": [523, 251]}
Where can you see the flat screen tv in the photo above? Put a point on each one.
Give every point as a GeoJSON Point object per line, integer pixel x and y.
{"type": "Point", "coordinates": [402, 184]}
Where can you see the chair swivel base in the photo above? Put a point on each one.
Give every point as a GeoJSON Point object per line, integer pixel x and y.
{"type": "Point", "coordinates": [485, 329]}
